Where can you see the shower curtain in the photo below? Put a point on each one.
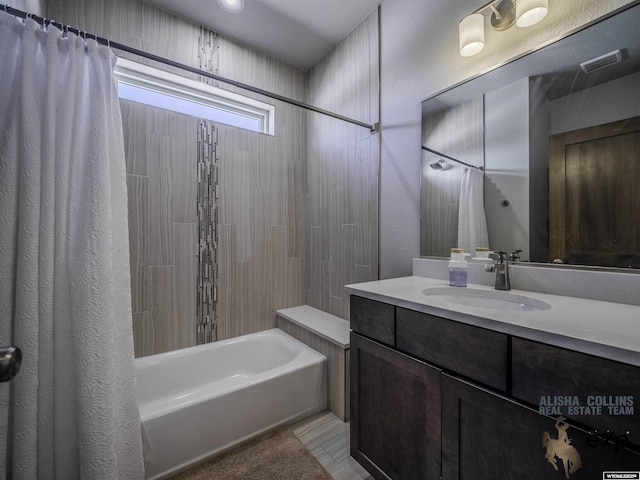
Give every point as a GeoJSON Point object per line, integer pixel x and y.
{"type": "Point", "coordinates": [472, 221]}
{"type": "Point", "coordinates": [71, 412]}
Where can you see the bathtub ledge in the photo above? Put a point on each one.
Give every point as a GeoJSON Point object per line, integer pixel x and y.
{"type": "Point", "coordinates": [331, 328]}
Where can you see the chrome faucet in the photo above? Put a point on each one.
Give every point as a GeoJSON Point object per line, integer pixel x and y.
{"type": "Point", "coordinates": [501, 267]}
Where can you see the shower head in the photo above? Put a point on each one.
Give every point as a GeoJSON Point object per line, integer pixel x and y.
{"type": "Point", "coordinates": [437, 165]}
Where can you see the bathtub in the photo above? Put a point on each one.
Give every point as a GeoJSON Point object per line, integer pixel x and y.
{"type": "Point", "coordinates": [198, 402]}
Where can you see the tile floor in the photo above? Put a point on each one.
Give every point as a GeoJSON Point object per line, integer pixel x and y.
{"type": "Point", "coordinates": [327, 437]}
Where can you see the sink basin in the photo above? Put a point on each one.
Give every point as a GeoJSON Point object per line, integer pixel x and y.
{"type": "Point", "coordinates": [493, 299]}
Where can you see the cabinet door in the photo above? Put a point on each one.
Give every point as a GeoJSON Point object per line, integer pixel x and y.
{"type": "Point", "coordinates": [395, 413]}
{"type": "Point", "coordinates": [485, 435]}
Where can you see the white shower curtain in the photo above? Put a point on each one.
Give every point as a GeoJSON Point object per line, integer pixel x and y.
{"type": "Point", "coordinates": [71, 412]}
{"type": "Point", "coordinates": [472, 221]}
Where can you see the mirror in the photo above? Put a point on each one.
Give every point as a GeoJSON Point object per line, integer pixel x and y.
{"type": "Point", "coordinates": [560, 149]}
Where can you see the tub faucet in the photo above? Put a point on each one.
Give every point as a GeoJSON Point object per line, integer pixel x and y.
{"type": "Point", "coordinates": [501, 267]}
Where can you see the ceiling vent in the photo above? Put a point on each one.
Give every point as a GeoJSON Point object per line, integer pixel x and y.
{"type": "Point", "coordinates": [603, 61]}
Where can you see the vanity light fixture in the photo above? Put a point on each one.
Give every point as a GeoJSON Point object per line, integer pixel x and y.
{"type": "Point", "coordinates": [504, 14]}
{"type": "Point", "coordinates": [232, 6]}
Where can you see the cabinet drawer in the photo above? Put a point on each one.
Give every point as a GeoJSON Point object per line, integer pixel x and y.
{"type": "Point", "coordinates": [373, 319]}
{"type": "Point", "coordinates": [474, 352]}
{"type": "Point", "coordinates": [553, 374]}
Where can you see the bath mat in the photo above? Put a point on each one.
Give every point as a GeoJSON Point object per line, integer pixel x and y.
{"type": "Point", "coordinates": [278, 455]}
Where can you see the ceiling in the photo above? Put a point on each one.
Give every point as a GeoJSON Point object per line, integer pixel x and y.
{"type": "Point", "coordinates": [299, 32]}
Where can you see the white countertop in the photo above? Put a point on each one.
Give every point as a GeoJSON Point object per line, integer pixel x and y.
{"type": "Point", "coordinates": [600, 328]}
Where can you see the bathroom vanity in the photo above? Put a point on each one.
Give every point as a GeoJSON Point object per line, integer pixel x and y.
{"type": "Point", "coordinates": [473, 383]}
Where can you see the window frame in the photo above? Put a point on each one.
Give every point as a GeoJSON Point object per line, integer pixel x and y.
{"type": "Point", "coordinates": [159, 81]}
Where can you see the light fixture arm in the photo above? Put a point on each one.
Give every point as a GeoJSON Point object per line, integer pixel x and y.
{"type": "Point", "coordinates": [492, 6]}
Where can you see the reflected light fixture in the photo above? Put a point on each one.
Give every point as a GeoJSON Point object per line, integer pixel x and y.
{"type": "Point", "coordinates": [504, 14]}
{"type": "Point", "coordinates": [530, 12]}
{"type": "Point", "coordinates": [232, 6]}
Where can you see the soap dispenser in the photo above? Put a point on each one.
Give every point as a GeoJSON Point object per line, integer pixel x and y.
{"type": "Point", "coordinates": [458, 268]}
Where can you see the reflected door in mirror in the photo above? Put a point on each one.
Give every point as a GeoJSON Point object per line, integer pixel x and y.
{"type": "Point", "coordinates": [594, 180]}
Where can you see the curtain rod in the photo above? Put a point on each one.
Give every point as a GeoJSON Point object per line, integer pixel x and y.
{"type": "Point", "coordinates": [45, 22]}
{"type": "Point", "coordinates": [451, 158]}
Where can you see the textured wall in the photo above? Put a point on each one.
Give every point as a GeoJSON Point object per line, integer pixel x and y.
{"type": "Point", "coordinates": [343, 170]}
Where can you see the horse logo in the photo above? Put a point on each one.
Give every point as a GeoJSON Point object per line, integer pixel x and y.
{"type": "Point", "coordinates": [562, 449]}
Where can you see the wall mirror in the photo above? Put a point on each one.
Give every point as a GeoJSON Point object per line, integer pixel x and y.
{"type": "Point", "coordinates": [558, 135]}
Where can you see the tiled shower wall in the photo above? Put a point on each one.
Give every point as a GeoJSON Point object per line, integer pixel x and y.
{"type": "Point", "coordinates": [261, 214]}
{"type": "Point", "coordinates": [343, 170]}
{"type": "Point", "coordinates": [160, 150]}
{"type": "Point", "coordinates": [264, 240]}
{"type": "Point", "coordinates": [37, 7]}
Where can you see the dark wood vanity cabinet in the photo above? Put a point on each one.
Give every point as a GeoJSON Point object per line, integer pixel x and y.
{"type": "Point", "coordinates": [396, 432]}
{"type": "Point", "coordinates": [448, 400]}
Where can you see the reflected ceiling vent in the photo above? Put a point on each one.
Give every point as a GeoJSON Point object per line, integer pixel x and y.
{"type": "Point", "coordinates": [601, 62]}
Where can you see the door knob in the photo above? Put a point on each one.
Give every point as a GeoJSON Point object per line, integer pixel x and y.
{"type": "Point", "coordinates": [10, 360]}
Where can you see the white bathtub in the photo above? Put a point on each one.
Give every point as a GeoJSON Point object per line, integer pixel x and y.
{"type": "Point", "coordinates": [200, 401]}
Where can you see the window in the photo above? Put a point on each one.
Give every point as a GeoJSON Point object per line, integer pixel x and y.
{"type": "Point", "coordinates": [151, 86]}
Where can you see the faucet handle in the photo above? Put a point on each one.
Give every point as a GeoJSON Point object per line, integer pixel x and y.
{"type": "Point", "coordinates": [515, 256]}
{"type": "Point", "coordinates": [498, 257]}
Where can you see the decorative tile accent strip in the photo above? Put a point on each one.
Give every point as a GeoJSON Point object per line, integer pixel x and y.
{"type": "Point", "coordinates": [207, 202]}
{"type": "Point", "coordinates": [207, 197]}
{"type": "Point", "coordinates": [208, 54]}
